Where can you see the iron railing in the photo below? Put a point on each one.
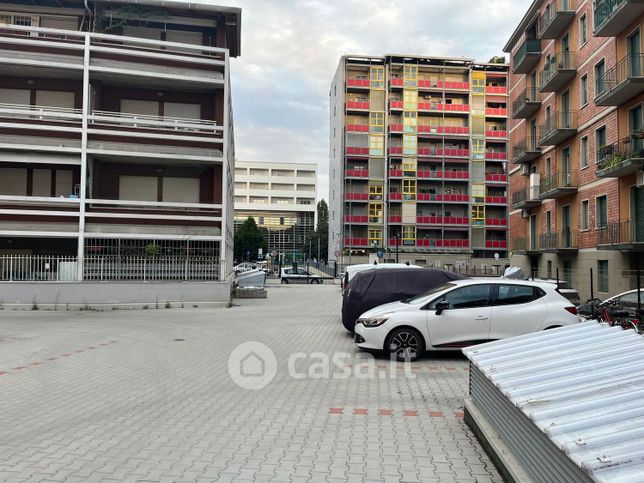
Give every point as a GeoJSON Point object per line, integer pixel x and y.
{"type": "Point", "coordinates": [556, 7]}
{"type": "Point", "coordinates": [37, 268]}
{"type": "Point", "coordinates": [556, 121]}
{"type": "Point", "coordinates": [623, 232]}
{"type": "Point", "coordinates": [557, 240]}
{"type": "Point", "coordinates": [558, 62]}
{"type": "Point", "coordinates": [529, 46]}
{"type": "Point", "coordinates": [612, 156]}
{"type": "Point", "coordinates": [558, 180]}
{"type": "Point", "coordinates": [629, 66]}
{"type": "Point", "coordinates": [604, 9]}
{"type": "Point", "coordinates": [528, 144]}
{"type": "Point", "coordinates": [530, 94]}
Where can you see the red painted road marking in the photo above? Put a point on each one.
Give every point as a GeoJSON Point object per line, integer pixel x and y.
{"type": "Point", "coordinates": [335, 410]}
{"type": "Point", "coordinates": [385, 412]}
{"type": "Point", "coordinates": [360, 411]}
{"type": "Point", "coordinates": [436, 414]}
{"type": "Point", "coordinates": [410, 413]}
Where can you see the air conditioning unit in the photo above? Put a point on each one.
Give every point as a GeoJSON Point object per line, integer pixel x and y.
{"type": "Point", "coordinates": [525, 213]}
{"type": "Point", "coordinates": [525, 169]}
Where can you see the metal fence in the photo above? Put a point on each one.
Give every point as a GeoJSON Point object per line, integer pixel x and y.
{"type": "Point", "coordinates": [35, 268]}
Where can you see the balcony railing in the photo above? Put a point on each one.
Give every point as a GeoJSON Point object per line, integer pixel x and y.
{"type": "Point", "coordinates": [356, 242]}
{"type": "Point", "coordinates": [496, 177]}
{"type": "Point", "coordinates": [358, 105]}
{"type": "Point", "coordinates": [527, 56]}
{"type": "Point", "coordinates": [442, 243]}
{"type": "Point", "coordinates": [446, 85]}
{"type": "Point", "coordinates": [622, 82]}
{"type": "Point", "coordinates": [496, 111]}
{"type": "Point", "coordinates": [622, 235]}
{"type": "Point", "coordinates": [443, 107]}
{"type": "Point", "coordinates": [129, 120]}
{"type": "Point", "coordinates": [565, 239]}
{"type": "Point", "coordinates": [357, 82]}
{"type": "Point", "coordinates": [558, 184]}
{"type": "Point", "coordinates": [526, 150]}
{"type": "Point", "coordinates": [496, 222]}
{"type": "Point", "coordinates": [41, 113]}
{"type": "Point", "coordinates": [526, 198]}
{"type": "Point", "coordinates": [442, 220]}
{"type": "Point", "coordinates": [503, 90]}
{"type": "Point", "coordinates": [452, 175]}
{"type": "Point", "coordinates": [557, 128]}
{"type": "Point", "coordinates": [496, 244]}
{"type": "Point", "coordinates": [496, 155]}
{"type": "Point", "coordinates": [446, 130]}
{"type": "Point", "coordinates": [357, 128]}
{"type": "Point", "coordinates": [526, 103]}
{"type": "Point", "coordinates": [352, 196]}
{"type": "Point", "coordinates": [621, 158]}
{"type": "Point", "coordinates": [613, 16]}
{"type": "Point", "coordinates": [556, 18]}
{"type": "Point", "coordinates": [561, 68]}
{"type": "Point", "coordinates": [496, 200]}
{"type": "Point", "coordinates": [443, 198]}
{"type": "Point", "coordinates": [357, 173]}
{"type": "Point", "coordinates": [357, 151]}
{"type": "Point", "coordinates": [356, 219]}
{"type": "Point", "coordinates": [496, 133]}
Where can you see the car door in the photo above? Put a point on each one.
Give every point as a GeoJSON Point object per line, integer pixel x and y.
{"type": "Point", "coordinates": [629, 302]}
{"type": "Point", "coordinates": [466, 321]}
{"type": "Point", "coordinates": [517, 309]}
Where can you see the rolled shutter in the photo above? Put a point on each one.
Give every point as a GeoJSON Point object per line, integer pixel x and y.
{"type": "Point", "coordinates": [192, 38]}
{"type": "Point", "coordinates": [64, 183]}
{"type": "Point", "coordinates": [142, 33]}
{"type": "Point", "coordinates": [15, 96]}
{"type": "Point", "coordinates": [409, 213]}
{"type": "Point", "coordinates": [62, 23]}
{"type": "Point", "coordinates": [138, 188]}
{"type": "Point", "coordinates": [181, 190]}
{"type": "Point", "coordinates": [13, 181]}
{"type": "Point", "coordinates": [64, 99]}
{"type": "Point", "coordinates": [144, 108]}
{"type": "Point", "coordinates": [41, 182]}
{"type": "Point", "coordinates": [186, 111]}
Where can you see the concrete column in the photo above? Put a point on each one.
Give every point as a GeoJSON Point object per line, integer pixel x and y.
{"type": "Point", "coordinates": [83, 173]}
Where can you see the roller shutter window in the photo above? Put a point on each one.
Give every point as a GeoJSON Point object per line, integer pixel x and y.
{"type": "Point", "coordinates": [142, 33]}
{"type": "Point", "coordinates": [62, 23]}
{"type": "Point", "coordinates": [143, 108]}
{"type": "Point", "coordinates": [64, 99]}
{"type": "Point", "coordinates": [409, 213]}
{"type": "Point", "coordinates": [181, 190]}
{"type": "Point", "coordinates": [15, 96]}
{"type": "Point", "coordinates": [41, 185]}
{"type": "Point", "coordinates": [185, 111]}
{"type": "Point", "coordinates": [192, 38]}
{"type": "Point", "coordinates": [138, 188]}
{"type": "Point", "coordinates": [64, 183]}
{"type": "Point", "coordinates": [13, 181]}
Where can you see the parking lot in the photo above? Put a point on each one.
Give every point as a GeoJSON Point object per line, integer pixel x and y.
{"type": "Point", "coordinates": [147, 396]}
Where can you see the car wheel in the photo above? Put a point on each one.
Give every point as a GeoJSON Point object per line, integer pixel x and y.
{"type": "Point", "coordinates": [406, 343]}
{"type": "Point", "coordinates": [285, 281]}
{"type": "Point", "coordinates": [312, 281]}
{"type": "Point", "coordinates": [319, 281]}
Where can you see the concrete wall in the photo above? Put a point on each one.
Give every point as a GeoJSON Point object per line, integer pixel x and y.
{"type": "Point", "coordinates": [108, 295]}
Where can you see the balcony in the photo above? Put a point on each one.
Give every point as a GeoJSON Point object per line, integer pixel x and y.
{"type": "Point", "coordinates": [526, 198]}
{"type": "Point", "coordinates": [358, 83]}
{"type": "Point", "coordinates": [395, 173]}
{"type": "Point", "coordinates": [496, 244]}
{"type": "Point", "coordinates": [527, 57]}
{"type": "Point", "coordinates": [357, 151]}
{"type": "Point", "coordinates": [529, 245]}
{"type": "Point", "coordinates": [562, 242]}
{"type": "Point", "coordinates": [450, 175]}
{"type": "Point", "coordinates": [443, 198]}
{"type": "Point", "coordinates": [444, 85]}
{"type": "Point", "coordinates": [356, 242]}
{"type": "Point", "coordinates": [624, 236]}
{"type": "Point", "coordinates": [352, 196]}
{"type": "Point", "coordinates": [496, 112]}
{"type": "Point", "coordinates": [622, 158]}
{"type": "Point", "coordinates": [444, 130]}
{"type": "Point", "coordinates": [442, 220]}
{"type": "Point", "coordinates": [395, 196]}
{"type": "Point", "coordinates": [498, 222]}
{"type": "Point", "coordinates": [396, 105]}
{"type": "Point", "coordinates": [496, 133]}
{"type": "Point", "coordinates": [395, 218]}
{"type": "Point", "coordinates": [356, 219]}
{"type": "Point", "coordinates": [558, 185]}
{"type": "Point", "coordinates": [356, 173]}
{"type": "Point", "coordinates": [395, 128]}
{"type": "Point", "coordinates": [395, 150]}
{"type": "Point", "coordinates": [442, 243]}
{"type": "Point", "coordinates": [496, 155]}
{"type": "Point", "coordinates": [447, 152]}
{"type": "Point", "coordinates": [496, 90]}
{"type": "Point", "coordinates": [526, 150]}
{"type": "Point", "coordinates": [396, 82]}
{"type": "Point", "coordinates": [556, 18]}
{"type": "Point", "coordinates": [359, 128]}
{"type": "Point", "coordinates": [357, 106]}
{"type": "Point", "coordinates": [613, 16]}
{"type": "Point", "coordinates": [561, 70]}
{"type": "Point", "coordinates": [444, 107]}
{"type": "Point", "coordinates": [496, 200]}
{"type": "Point", "coordinates": [559, 127]}
{"type": "Point", "coordinates": [622, 82]}
{"type": "Point", "coordinates": [496, 178]}
{"type": "Point", "coordinates": [526, 104]}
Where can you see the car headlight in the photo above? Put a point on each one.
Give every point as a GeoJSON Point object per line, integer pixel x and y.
{"type": "Point", "coordinates": [374, 321]}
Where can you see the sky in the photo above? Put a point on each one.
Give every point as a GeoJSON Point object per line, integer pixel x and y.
{"type": "Point", "coordinates": [290, 51]}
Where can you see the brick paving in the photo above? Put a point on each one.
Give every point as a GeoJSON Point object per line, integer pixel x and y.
{"type": "Point", "coordinates": [146, 396]}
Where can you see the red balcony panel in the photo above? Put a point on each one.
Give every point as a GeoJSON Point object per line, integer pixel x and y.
{"type": "Point", "coordinates": [358, 82]}
{"type": "Point", "coordinates": [424, 197]}
{"type": "Point", "coordinates": [496, 178]}
{"type": "Point", "coordinates": [455, 130]}
{"type": "Point", "coordinates": [456, 85]}
{"type": "Point", "coordinates": [496, 155]}
{"type": "Point", "coordinates": [358, 105]}
{"type": "Point", "coordinates": [454, 107]}
{"type": "Point", "coordinates": [395, 219]}
{"type": "Point", "coordinates": [356, 219]}
{"type": "Point", "coordinates": [459, 243]}
{"type": "Point", "coordinates": [395, 127]}
{"type": "Point", "coordinates": [496, 133]}
{"type": "Point", "coordinates": [357, 128]}
{"type": "Point", "coordinates": [453, 198]}
{"type": "Point", "coordinates": [496, 111]}
{"type": "Point", "coordinates": [357, 151]}
{"type": "Point", "coordinates": [496, 221]}
{"type": "Point", "coordinates": [395, 173]}
{"type": "Point", "coordinates": [496, 90]}
{"type": "Point", "coordinates": [396, 81]}
{"type": "Point", "coordinates": [456, 152]}
{"type": "Point", "coordinates": [357, 173]}
{"type": "Point", "coordinates": [496, 199]}
{"type": "Point", "coordinates": [425, 106]}
{"type": "Point", "coordinates": [395, 196]}
{"type": "Point", "coordinates": [395, 150]}
{"type": "Point", "coordinates": [496, 244]}
{"type": "Point", "coordinates": [456, 220]}
{"type": "Point", "coordinates": [396, 104]}
{"type": "Point", "coordinates": [427, 152]}
{"type": "Point", "coordinates": [356, 242]}
{"type": "Point", "coordinates": [349, 196]}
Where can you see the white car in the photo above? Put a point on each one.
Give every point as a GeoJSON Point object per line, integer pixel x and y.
{"type": "Point", "coordinates": [299, 274]}
{"type": "Point", "coordinates": [462, 313]}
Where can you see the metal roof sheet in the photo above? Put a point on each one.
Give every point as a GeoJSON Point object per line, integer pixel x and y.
{"type": "Point", "coordinates": [582, 386]}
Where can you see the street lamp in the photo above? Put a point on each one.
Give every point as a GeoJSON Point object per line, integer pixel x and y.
{"type": "Point", "coordinates": [396, 239]}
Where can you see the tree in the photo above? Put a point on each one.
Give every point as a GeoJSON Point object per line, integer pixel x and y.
{"type": "Point", "coordinates": [248, 240]}
{"type": "Point", "coordinates": [497, 59]}
{"type": "Point", "coordinates": [322, 230]}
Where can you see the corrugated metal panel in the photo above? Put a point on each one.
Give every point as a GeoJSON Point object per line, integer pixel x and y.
{"type": "Point", "coordinates": [64, 183]}
{"type": "Point", "coordinates": [145, 108]}
{"type": "Point", "coordinates": [138, 188]}
{"type": "Point", "coordinates": [13, 181]}
{"type": "Point", "coordinates": [15, 96]}
{"type": "Point", "coordinates": [579, 391]}
{"type": "Point", "coordinates": [178, 109]}
{"type": "Point", "coordinates": [41, 182]}
{"type": "Point", "coordinates": [181, 190]}
{"type": "Point", "coordinates": [63, 99]}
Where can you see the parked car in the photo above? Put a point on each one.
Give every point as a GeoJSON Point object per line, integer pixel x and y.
{"type": "Point", "coordinates": [627, 300]}
{"type": "Point", "coordinates": [564, 289]}
{"type": "Point", "coordinates": [462, 313]}
{"type": "Point", "coordinates": [374, 287]}
{"type": "Point", "coordinates": [352, 270]}
{"type": "Point", "coordinates": [299, 275]}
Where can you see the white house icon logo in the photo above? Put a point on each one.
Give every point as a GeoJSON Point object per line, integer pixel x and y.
{"type": "Point", "coordinates": [252, 365]}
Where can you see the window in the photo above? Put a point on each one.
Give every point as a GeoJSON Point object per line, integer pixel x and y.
{"type": "Point", "coordinates": [584, 215]}
{"type": "Point", "coordinates": [583, 90]}
{"type": "Point", "coordinates": [548, 221]}
{"type": "Point", "coordinates": [584, 152]}
{"type": "Point", "coordinates": [478, 148]}
{"type": "Point", "coordinates": [377, 77]}
{"type": "Point", "coordinates": [600, 71]}
{"type": "Point", "coordinates": [466, 297]}
{"type": "Point", "coordinates": [409, 189]}
{"type": "Point", "coordinates": [410, 144]}
{"type": "Point", "coordinates": [410, 99]}
{"type": "Point", "coordinates": [600, 142]}
{"type": "Point", "coordinates": [602, 275]}
{"type": "Point", "coordinates": [410, 75]}
{"type": "Point", "coordinates": [601, 212]}
{"type": "Point", "coordinates": [517, 294]}
{"type": "Point", "coordinates": [583, 30]}
{"type": "Point", "coordinates": [409, 121]}
{"type": "Point", "coordinates": [375, 213]}
{"type": "Point", "coordinates": [376, 145]}
{"type": "Point", "coordinates": [549, 269]}
{"type": "Point", "coordinates": [408, 233]}
{"type": "Point", "coordinates": [377, 122]}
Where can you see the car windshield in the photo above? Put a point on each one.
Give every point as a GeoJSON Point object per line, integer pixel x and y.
{"type": "Point", "coordinates": [422, 298]}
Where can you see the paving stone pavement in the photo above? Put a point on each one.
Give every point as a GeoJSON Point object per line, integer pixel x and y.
{"type": "Point", "coordinates": [146, 396]}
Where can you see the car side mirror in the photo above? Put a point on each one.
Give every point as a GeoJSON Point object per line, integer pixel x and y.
{"type": "Point", "coordinates": [441, 306]}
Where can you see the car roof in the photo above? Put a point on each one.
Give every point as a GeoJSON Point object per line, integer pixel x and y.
{"type": "Point", "coordinates": [352, 269]}
{"type": "Point", "coordinates": [505, 281]}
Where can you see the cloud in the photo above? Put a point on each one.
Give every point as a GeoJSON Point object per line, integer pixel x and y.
{"type": "Point", "coordinates": [291, 49]}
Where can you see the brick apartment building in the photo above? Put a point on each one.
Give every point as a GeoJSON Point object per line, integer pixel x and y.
{"type": "Point", "coordinates": [577, 139]}
{"type": "Point", "coordinates": [116, 140]}
{"type": "Point", "coordinates": [418, 161]}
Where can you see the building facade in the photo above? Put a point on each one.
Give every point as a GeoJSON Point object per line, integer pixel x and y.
{"type": "Point", "coordinates": [117, 138]}
{"type": "Point", "coordinates": [280, 197]}
{"type": "Point", "coordinates": [418, 161]}
{"type": "Point", "coordinates": [576, 88]}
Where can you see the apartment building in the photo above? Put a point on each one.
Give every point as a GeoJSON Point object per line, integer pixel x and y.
{"type": "Point", "coordinates": [418, 161]}
{"type": "Point", "coordinates": [116, 139]}
{"type": "Point", "coordinates": [576, 87]}
{"type": "Point", "coordinates": [280, 197]}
